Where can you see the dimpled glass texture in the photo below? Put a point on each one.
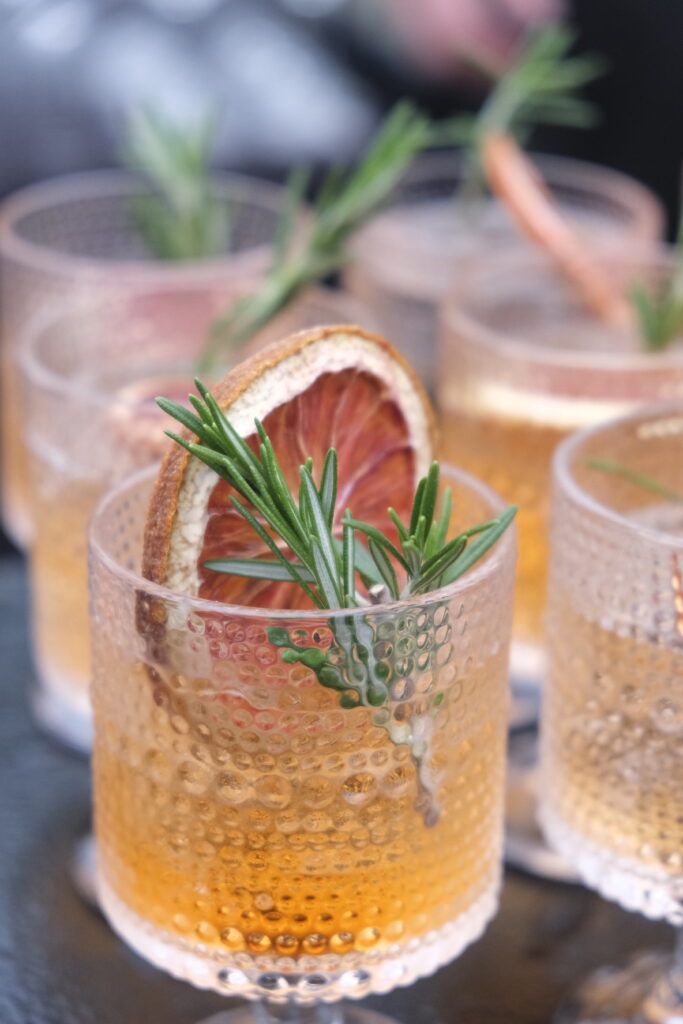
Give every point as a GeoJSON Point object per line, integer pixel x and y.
{"type": "Point", "coordinates": [72, 242]}
{"type": "Point", "coordinates": [88, 384]}
{"type": "Point", "coordinates": [522, 365]}
{"type": "Point", "coordinates": [430, 236]}
{"type": "Point", "coordinates": [612, 724]}
{"type": "Point", "coordinates": [257, 837]}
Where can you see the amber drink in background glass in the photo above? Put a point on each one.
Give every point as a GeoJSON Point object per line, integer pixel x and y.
{"type": "Point", "coordinates": [74, 241]}
{"type": "Point", "coordinates": [523, 363]}
{"type": "Point", "coordinates": [612, 723]}
{"type": "Point", "coordinates": [418, 249]}
{"type": "Point", "coordinates": [88, 382]}
{"type": "Point", "coordinates": [261, 839]}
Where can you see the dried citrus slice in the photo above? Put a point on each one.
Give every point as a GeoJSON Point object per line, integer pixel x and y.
{"type": "Point", "coordinates": [331, 386]}
{"type": "Point", "coordinates": [516, 182]}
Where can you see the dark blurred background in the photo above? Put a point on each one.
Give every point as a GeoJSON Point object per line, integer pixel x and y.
{"type": "Point", "coordinates": [308, 79]}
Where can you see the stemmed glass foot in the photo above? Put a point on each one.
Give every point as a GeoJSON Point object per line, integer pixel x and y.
{"type": "Point", "coordinates": [648, 991]}
{"type": "Point", "coordinates": [324, 1013]}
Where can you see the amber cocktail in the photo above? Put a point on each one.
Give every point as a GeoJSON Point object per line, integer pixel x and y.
{"type": "Point", "coordinates": [72, 242]}
{"type": "Point", "coordinates": [612, 724]}
{"type": "Point", "coordinates": [258, 837]}
{"type": "Point", "coordinates": [411, 255]}
{"type": "Point", "coordinates": [89, 382]}
{"type": "Point", "coordinates": [523, 364]}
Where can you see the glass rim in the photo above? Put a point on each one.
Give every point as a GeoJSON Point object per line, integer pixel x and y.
{"type": "Point", "coordinates": [566, 171]}
{"type": "Point", "coordinates": [502, 550]}
{"type": "Point", "coordinates": [37, 374]}
{"type": "Point", "coordinates": [565, 479]}
{"type": "Point", "coordinates": [455, 319]}
{"type": "Point", "coordinates": [109, 183]}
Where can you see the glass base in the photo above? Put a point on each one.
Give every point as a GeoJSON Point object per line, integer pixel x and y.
{"type": "Point", "coordinates": [309, 980]}
{"type": "Point", "coordinates": [650, 891]}
{"type": "Point", "coordinates": [58, 717]}
{"type": "Point", "coordinates": [324, 1014]}
{"type": "Point", "coordinates": [645, 992]}
{"type": "Point", "coordinates": [525, 846]}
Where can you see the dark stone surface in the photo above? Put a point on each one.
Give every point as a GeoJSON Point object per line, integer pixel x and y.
{"type": "Point", "coordinates": [60, 963]}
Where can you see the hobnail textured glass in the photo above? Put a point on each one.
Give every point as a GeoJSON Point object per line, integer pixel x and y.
{"type": "Point", "coordinates": [73, 241]}
{"type": "Point", "coordinates": [257, 835]}
{"type": "Point", "coordinates": [88, 383]}
{"type": "Point", "coordinates": [416, 251]}
{"type": "Point", "coordinates": [521, 365]}
{"type": "Point", "coordinates": [612, 723]}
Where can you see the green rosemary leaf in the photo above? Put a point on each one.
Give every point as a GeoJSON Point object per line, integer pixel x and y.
{"type": "Point", "coordinates": [660, 312]}
{"type": "Point", "coordinates": [485, 540]}
{"type": "Point", "coordinates": [260, 568]}
{"type": "Point", "coordinates": [343, 205]}
{"type": "Point", "coordinates": [384, 567]}
{"type": "Point", "coordinates": [366, 568]}
{"type": "Point", "coordinates": [439, 529]}
{"type": "Point", "coordinates": [325, 575]}
{"type": "Point", "coordinates": [200, 408]}
{"type": "Point", "coordinates": [639, 479]}
{"type": "Point", "coordinates": [374, 533]}
{"type": "Point", "coordinates": [416, 511]}
{"type": "Point", "coordinates": [182, 218]}
{"type": "Point", "coordinates": [349, 561]}
{"type": "Point", "coordinates": [420, 535]}
{"type": "Point", "coordinates": [413, 557]}
{"type": "Point", "coordinates": [430, 493]}
{"type": "Point", "coordinates": [539, 88]}
{"type": "Point", "coordinates": [328, 486]}
{"type": "Point", "coordinates": [183, 415]}
{"type": "Point", "coordinates": [321, 531]}
{"type": "Point", "coordinates": [433, 569]}
{"type": "Point", "coordinates": [270, 543]}
{"type": "Point", "coordinates": [400, 528]}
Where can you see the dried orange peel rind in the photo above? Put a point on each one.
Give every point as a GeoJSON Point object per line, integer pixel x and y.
{"type": "Point", "coordinates": [332, 386]}
{"type": "Point", "coordinates": [515, 181]}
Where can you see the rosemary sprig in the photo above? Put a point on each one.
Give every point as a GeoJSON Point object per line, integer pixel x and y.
{"type": "Point", "coordinates": [633, 477]}
{"type": "Point", "coordinates": [660, 313]}
{"type": "Point", "coordinates": [182, 218]}
{"type": "Point", "coordinates": [325, 566]}
{"type": "Point", "coordinates": [344, 202]}
{"type": "Point", "coordinates": [301, 533]}
{"type": "Point", "coordinates": [539, 88]}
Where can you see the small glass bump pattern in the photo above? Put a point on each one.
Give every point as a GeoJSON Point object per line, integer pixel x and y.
{"type": "Point", "coordinates": [247, 821]}
{"type": "Point", "coordinates": [612, 766]}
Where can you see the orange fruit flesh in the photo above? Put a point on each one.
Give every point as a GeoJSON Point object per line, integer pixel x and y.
{"type": "Point", "coordinates": [356, 413]}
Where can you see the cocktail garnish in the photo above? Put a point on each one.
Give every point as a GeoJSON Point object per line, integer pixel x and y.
{"type": "Point", "coordinates": [183, 218]}
{"type": "Point", "coordinates": [324, 566]}
{"type": "Point", "coordinates": [660, 313]}
{"type": "Point", "coordinates": [539, 88]}
{"type": "Point", "coordinates": [328, 568]}
{"type": "Point", "coordinates": [343, 203]}
{"type": "Point", "coordinates": [633, 477]}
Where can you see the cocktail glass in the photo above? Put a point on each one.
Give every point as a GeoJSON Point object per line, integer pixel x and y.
{"type": "Point", "coordinates": [73, 240]}
{"type": "Point", "coordinates": [256, 836]}
{"type": "Point", "coordinates": [412, 254]}
{"type": "Point", "coordinates": [522, 364]}
{"type": "Point", "coordinates": [612, 724]}
{"type": "Point", "coordinates": [89, 380]}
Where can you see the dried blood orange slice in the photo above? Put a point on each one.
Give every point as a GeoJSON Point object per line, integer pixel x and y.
{"type": "Point", "coordinates": [516, 182]}
{"type": "Point", "coordinates": [331, 386]}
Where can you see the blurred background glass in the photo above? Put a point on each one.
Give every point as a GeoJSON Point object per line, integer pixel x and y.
{"type": "Point", "coordinates": [308, 80]}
